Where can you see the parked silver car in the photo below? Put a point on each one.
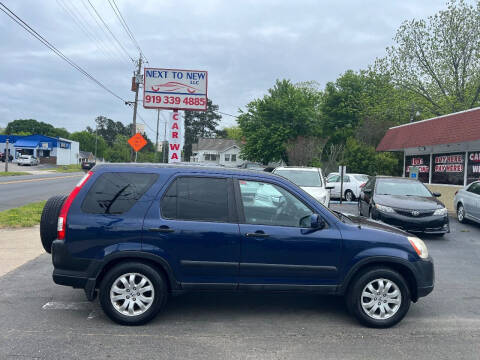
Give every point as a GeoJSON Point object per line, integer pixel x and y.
{"type": "Point", "coordinates": [27, 160]}
{"type": "Point", "coordinates": [467, 202]}
{"type": "Point", "coordinates": [352, 185]}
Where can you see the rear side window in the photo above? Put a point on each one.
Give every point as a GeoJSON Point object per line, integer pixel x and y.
{"type": "Point", "coordinates": [196, 199]}
{"type": "Point", "coordinates": [116, 193]}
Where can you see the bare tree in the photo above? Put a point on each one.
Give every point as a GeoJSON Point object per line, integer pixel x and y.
{"type": "Point", "coordinates": [335, 154]}
{"type": "Point", "coordinates": [303, 149]}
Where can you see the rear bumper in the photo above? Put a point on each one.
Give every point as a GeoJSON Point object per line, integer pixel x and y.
{"type": "Point", "coordinates": [427, 224]}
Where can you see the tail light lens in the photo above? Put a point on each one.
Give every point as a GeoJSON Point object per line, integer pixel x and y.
{"type": "Point", "coordinates": [362, 185]}
{"type": "Point", "coordinates": [62, 217]}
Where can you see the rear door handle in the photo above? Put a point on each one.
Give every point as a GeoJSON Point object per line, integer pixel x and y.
{"type": "Point", "coordinates": [163, 229]}
{"type": "Point", "coordinates": [257, 234]}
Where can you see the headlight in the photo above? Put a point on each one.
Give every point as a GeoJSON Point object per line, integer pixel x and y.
{"type": "Point", "coordinates": [419, 246]}
{"type": "Point", "coordinates": [441, 212]}
{"type": "Point", "coordinates": [383, 208]}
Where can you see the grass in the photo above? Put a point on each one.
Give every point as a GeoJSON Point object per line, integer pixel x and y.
{"type": "Point", "coordinates": [13, 173]}
{"type": "Point", "coordinates": [68, 168]}
{"type": "Point", "coordinates": [23, 216]}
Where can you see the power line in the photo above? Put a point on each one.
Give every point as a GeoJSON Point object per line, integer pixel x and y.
{"type": "Point", "coordinates": [124, 24]}
{"type": "Point", "coordinates": [45, 42]}
{"type": "Point", "coordinates": [110, 31]}
{"type": "Point", "coordinates": [108, 44]}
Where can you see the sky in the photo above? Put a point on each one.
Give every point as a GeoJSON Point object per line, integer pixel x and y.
{"type": "Point", "coordinates": [245, 45]}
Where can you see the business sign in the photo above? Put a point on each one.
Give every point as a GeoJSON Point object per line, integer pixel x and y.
{"type": "Point", "coordinates": [448, 168]}
{"type": "Point", "coordinates": [175, 89]}
{"type": "Point", "coordinates": [175, 137]}
{"type": "Point", "coordinates": [420, 163]}
{"type": "Point", "coordinates": [473, 167]}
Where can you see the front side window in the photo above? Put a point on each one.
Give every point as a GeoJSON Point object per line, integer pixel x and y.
{"type": "Point", "coordinates": [196, 199]}
{"type": "Point", "coordinates": [116, 193]}
{"type": "Point", "coordinates": [268, 204]}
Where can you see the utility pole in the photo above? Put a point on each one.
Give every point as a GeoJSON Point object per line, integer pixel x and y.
{"type": "Point", "coordinates": [96, 132]}
{"type": "Point", "coordinates": [135, 104]}
{"type": "Point", "coordinates": [6, 156]}
{"type": "Point", "coordinates": [165, 144]}
{"type": "Point", "coordinates": [156, 137]}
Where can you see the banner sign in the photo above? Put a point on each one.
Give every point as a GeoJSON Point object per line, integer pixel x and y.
{"type": "Point", "coordinates": [175, 89]}
{"type": "Point", "coordinates": [175, 137]}
{"type": "Point", "coordinates": [473, 167]}
{"type": "Point", "coordinates": [448, 168]}
{"type": "Point", "coordinates": [422, 165]}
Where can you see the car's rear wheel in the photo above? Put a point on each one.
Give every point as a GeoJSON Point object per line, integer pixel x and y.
{"type": "Point", "coordinates": [49, 219]}
{"type": "Point", "coordinates": [379, 298]}
{"type": "Point", "coordinates": [349, 195]}
{"type": "Point", "coordinates": [133, 293]}
{"type": "Point", "coordinates": [461, 213]}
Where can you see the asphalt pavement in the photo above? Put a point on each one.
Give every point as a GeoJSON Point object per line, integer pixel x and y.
{"type": "Point", "coordinates": [16, 191]}
{"type": "Point", "coordinates": [41, 320]}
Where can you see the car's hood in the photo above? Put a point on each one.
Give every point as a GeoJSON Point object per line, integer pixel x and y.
{"type": "Point", "coordinates": [408, 202]}
{"type": "Point", "coordinates": [316, 192]}
{"type": "Point", "coordinates": [374, 224]}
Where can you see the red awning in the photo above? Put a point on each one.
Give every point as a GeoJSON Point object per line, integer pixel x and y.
{"type": "Point", "coordinates": [453, 128]}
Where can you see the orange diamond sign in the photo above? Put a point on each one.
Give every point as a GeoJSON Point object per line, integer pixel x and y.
{"type": "Point", "coordinates": [137, 142]}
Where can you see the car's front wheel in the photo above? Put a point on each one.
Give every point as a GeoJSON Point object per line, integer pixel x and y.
{"type": "Point", "coordinates": [349, 195]}
{"type": "Point", "coordinates": [379, 297]}
{"type": "Point", "coordinates": [133, 293]}
{"type": "Point", "coordinates": [461, 213]}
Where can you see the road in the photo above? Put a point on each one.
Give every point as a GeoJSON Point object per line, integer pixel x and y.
{"type": "Point", "coordinates": [41, 320]}
{"type": "Point", "coordinates": [20, 190]}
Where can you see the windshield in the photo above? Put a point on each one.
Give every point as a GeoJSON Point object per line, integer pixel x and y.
{"type": "Point", "coordinates": [405, 188]}
{"type": "Point", "coordinates": [363, 178]}
{"type": "Point", "coordinates": [301, 177]}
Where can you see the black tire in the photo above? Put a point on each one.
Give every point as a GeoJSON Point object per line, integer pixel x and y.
{"type": "Point", "coordinates": [160, 291]}
{"type": "Point", "coordinates": [354, 297]}
{"type": "Point", "coordinates": [49, 219]}
{"type": "Point", "coordinates": [461, 213]}
{"type": "Point", "coordinates": [349, 196]}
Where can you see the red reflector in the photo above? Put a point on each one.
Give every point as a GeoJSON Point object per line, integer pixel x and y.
{"type": "Point", "coordinates": [62, 217]}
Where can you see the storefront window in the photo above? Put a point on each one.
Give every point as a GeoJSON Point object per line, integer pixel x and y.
{"type": "Point", "coordinates": [448, 168]}
{"type": "Point", "coordinates": [473, 167]}
{"type": "Point", "coordinates": [422, 162]}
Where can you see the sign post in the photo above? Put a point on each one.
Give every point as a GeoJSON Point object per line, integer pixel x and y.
{"type": "Point", "coordinates": [137, 142]}
{"type": "Point", "coordinates": [175, 89]}
{"type": "Point", "coordinates": [342, 169]}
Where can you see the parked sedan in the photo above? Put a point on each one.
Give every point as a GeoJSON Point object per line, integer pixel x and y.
{"type": "Point", "coordinates": [405, 203]}
{"type": "Point", "coordinates": [352, 185]}
{"type": "Point", "coordinates": [27, 160]}
{"type": "Point", "coordinates": [467, 203]}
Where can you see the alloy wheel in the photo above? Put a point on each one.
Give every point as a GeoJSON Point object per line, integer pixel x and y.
{"type": "Point", "coordinates": [132, 294]}
{"type": "Point", "coordinates": [460, 213]}
{"type": "Point", "coordinates": [381, 299]}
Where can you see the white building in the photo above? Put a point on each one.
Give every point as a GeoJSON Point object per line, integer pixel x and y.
{"type": "Point", "coordinates": [217, 152]}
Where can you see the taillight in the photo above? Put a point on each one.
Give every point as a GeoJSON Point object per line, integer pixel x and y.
{"type": "Point", "coordinates": [62, 217]}
{"type": "Point", "coordinates": [362, 185]}
{"type": "Point", "coordinates": [456, 192]}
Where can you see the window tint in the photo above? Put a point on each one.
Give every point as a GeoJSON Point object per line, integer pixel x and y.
{"type": "Point", "coordinates": [269, 204]}
{"type": "Point", "coordinates": [116, 193]}
{"type": "Point", "coordinates": [197, 199]}
{"type": "Point", "coordinates": [474, 188]}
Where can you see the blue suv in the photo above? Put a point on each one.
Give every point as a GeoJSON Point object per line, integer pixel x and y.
{"type": "Point", "coordinates": [136, 233]}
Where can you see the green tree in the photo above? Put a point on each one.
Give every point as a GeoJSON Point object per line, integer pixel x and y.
{"type": "Point", "coordinates": [287, 111]}
{"type": "Point", "coordinates": [438, 58]}
{"type": "Point", "coordinates": [32, 126]}
{"type": "Point", "coordinates": [109, 129]}
{"type": "Point", "coordinates": [87, 142]}
{"type": "Point", "coordinates": [200, 124]}
{"type": "Point", "coordinates": [233, 132]}
{"type": "Point", "coordinates": [362, 158]}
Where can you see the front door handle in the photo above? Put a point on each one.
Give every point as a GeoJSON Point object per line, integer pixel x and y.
{"type": "Point", "coordinates": [257, 234]}
{"type": "Point", "coordinates": [163, 229]}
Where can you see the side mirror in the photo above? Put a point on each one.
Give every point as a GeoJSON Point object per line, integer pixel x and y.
{"type": "Point", "coordinates": [329, 187]}
{"type": "Point", "coordinates": [436, 194]}
{"type": "Point", "coordinates": [316, 222]}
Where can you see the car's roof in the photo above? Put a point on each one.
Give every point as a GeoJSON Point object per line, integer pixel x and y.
{"type": "Point", "coordinates": [301, 168]}
{"type": "Point", "coordinates": [185, 167]}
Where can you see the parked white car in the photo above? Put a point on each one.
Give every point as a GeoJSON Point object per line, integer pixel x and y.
{"type": "Point", "coordinates": [467, 202]}
{"type": "Point", "coordinates": [309, 179]}
{"type": "Point", "coordinates": [27, 160]}
{"type": "Point", "coordinates": [352, 185]}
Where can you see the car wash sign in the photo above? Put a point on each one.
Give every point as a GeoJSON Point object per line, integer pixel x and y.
{"type": "Point", "coordinates": [175, 89]}
{"type": "Point", "coordinates": [175, 133]}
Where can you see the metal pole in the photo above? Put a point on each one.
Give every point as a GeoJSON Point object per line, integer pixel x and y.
{"type": "Point", "coordinates": [96, 132]}
{"type": "Point", "coordinates": [165, 143]}
{"type": "Point", "coordinates": [6, 156]}
{"type": "Point", "coordinates": [341, 183]}
{"type": "Point", "coordinates": [156, 136]}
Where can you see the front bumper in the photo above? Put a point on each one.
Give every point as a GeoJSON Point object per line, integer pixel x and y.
{"type": "Point", "coordinates": [428, 224]}
{"type": "Point", "coordinates": [425, 277]}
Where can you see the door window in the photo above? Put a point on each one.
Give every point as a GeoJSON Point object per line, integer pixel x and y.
{"type": "Point", "coordinates": [196, 199]}
{"type": "Point", "coordinates": [334, 178]}
{"type": "Point", "coordinates": [474, 188]}
{"type": "Point", "coordinates": [272, 205]}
